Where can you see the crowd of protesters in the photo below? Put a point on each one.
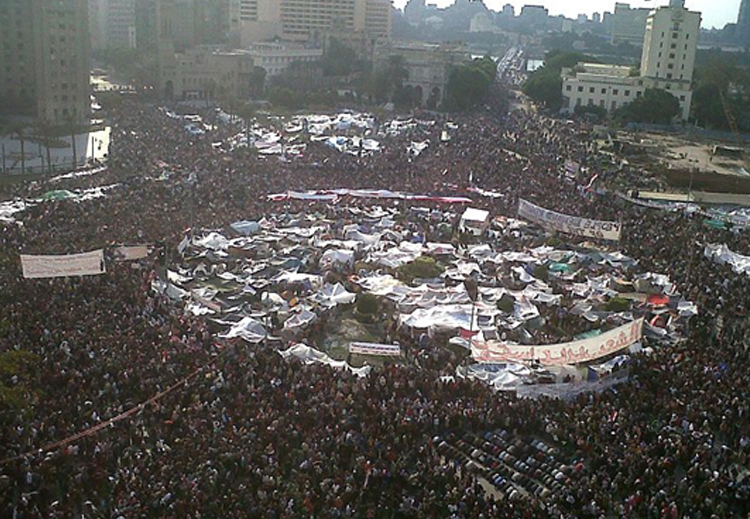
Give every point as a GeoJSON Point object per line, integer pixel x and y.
{"type": "Point", "coordinates": [253, 435]}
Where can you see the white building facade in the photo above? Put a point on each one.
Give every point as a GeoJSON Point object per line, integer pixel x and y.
{"type": "Point", "coordinates": [667, 63]}
{"type": "Point", "coordinates": [275, 58]}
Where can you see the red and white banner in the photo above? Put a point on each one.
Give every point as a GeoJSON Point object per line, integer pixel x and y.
{"type": "Point", "coordinates": [575, 352]}
{"type": "Point", "coordinates": [86, 264]}
{"type": "Point", "coordinates": [368, 348]}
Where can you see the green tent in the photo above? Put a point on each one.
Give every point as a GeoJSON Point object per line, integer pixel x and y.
{"type": "Point", "coordinates": [57, 195]}
{"type": "Point", "coordinates": [716, 224]}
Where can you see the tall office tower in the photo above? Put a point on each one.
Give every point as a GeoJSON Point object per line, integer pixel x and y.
{"type": "Point", "coordinates": [45, 63]}
{"type": "Point", "coordinates": [670, 43]}
{"type": "Point", "coordinates": [743, 24]}
{"type": "Point", "coordinates": [628, 24]}
{"type": "Point", "coordinates": [120, 24]}
{"type": "Point", "coordinates": [311, 20]}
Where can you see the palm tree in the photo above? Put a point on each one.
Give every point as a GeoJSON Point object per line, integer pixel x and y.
{"type": "Point", "coordinates": [71, 123]}
{"type": "Point", "coordinates": [19, 129]}
{"type": "Point", "coordinates": [46, 130]}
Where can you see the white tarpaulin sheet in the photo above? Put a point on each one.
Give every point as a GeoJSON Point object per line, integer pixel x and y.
{"type": "Point", "coordinates": [569, 224]}
{"type": "Point", "coordinates": [86, 264]}
{"type": "Point", "coordinates": [575, 352]}
{"type": "Point", "coordinates": [722, 255]}
{"type": "Point", "coordinates": [248, 328]}
{"type": "Point", "coordinates": [308, 355]}
{"type": "Point", "coordinates": [332, 295]}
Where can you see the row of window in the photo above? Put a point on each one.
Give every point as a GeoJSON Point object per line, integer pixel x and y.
{"type": "Point", "coordinates": [592, 90]}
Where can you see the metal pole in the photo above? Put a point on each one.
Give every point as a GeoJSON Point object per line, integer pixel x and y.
{"type": "Point", "coordinates": [4, 171]}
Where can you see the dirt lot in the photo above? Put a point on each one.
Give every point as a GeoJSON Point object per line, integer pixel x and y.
{"type": "Point", "coordinates": [682, 152]}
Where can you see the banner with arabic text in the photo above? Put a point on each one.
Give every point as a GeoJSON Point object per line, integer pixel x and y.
{"type": "Point", "coordinates": [86, 264]}
{"type": "Point", "coordinates": [368, 348]}
{"type": "Point", "coordinates": [575, 352]}
{"type": "Point", "coordinates": [569, 224]}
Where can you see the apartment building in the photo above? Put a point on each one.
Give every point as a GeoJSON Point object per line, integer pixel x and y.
{"type": "Point", "coordinates": [45, 60]}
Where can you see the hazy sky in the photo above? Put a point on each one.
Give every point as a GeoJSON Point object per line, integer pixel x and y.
{"type": "Point", "coordinates": [716, 13]}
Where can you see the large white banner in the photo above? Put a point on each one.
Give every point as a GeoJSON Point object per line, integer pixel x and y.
{"type": "Point", "coordinates": [368, 348]}
{"type": "Point", "coordinates": [86, 264]}
{"type": "Point", "coordinates": [575, 352]}
{"type": "Point", "coordinates": [569, 224]}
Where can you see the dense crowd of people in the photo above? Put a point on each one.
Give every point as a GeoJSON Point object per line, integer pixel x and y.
{"type": "Point", "coordinates": [250, 434]}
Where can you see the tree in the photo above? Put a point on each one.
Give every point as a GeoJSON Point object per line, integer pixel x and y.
{"type": "Point", "coordinates": [383, 84]}
{"type": "Point", "coordinates": [546, 89]}
{"type": "Point", "coordinates": [71, 124]}
{"type": "Point", "coordinates": [654, 106]}
{"type": "Point", "coordinates": [17, 370]}
{"type": "Point", "coordinates": [257, 81]}
{"type": "Point", "coordinates": [20, 130]}
{"type": "Point", "coordinates": [719, 78]}
{"type": "Point", "coordinates": [596, 112]}
{"type": "Point", "coordinates": [339, 60]}
{"type": "Point", "coordinates": [469, 84]}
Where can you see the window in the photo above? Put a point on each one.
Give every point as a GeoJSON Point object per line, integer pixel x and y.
{"type": "Point", "coordinates": [616, 91]}
{"type": "Point", "coordinates": [671, 55]}
{"type": "Point", "coordinates": [591, 90]}
{"type": "Point", "coordinates": [604, 90]}
{"type": "Point", "coordinates": [670, 66]}
{"type": "Point", "coordinates": [580, 89]}
{"type": "Point", "coordinates": [675, 35]}
{"type": "Point", "coordinates": [673, 46]}
{"type": "Point", "coordinates": [682, 98]}
{"type": "Point", "coordinates": [591, 102]}
{"type": "Point", "coordinates": [568, 88]}
{"type": "Point", "coordinates": [601, 103]}
{"type": "Point", "coordinates": [627, 93]}
{"type": "Point", "coordinates": [638, 94]}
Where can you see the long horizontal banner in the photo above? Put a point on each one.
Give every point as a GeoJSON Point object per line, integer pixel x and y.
{"type": "Point", "coordinates": [569, 224]}
{"type": "Point", "coordinates": [335, 194]}
{"type": "Point", "coordinates": [86, 264]}
{"type": "Point", "coordinates": [368, 348]}
{"type": "Point", "coordinates": [575, 352]}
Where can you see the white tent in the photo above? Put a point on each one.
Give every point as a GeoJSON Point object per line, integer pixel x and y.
{"type": "Point", "coordinates": [474, 220]}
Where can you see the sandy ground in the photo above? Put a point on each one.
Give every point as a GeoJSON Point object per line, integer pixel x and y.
{"type": "Point", "coordinates": [683, 152]}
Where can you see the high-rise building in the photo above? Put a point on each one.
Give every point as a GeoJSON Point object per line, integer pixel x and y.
{"type": "Point", "coordinates": [145, 25]}
{"type": "Point", "coordinates": [742, 31]}
{"type": "Point", "coordinates": [628, 24]}
{"type": "Point", "coordinates": [670, 41]}
{"type": "Point", "coordinates": [112, 24]}
{"type": "Point", "coordinates": [45, 66]}
{"type": "Point", "coordinates": [314, 20]}
{"type": "Point", "coordinates": [120, 23]}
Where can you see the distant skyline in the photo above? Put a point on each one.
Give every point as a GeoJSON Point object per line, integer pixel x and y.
{"type": "Point", "coordinates": [716, 13]}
